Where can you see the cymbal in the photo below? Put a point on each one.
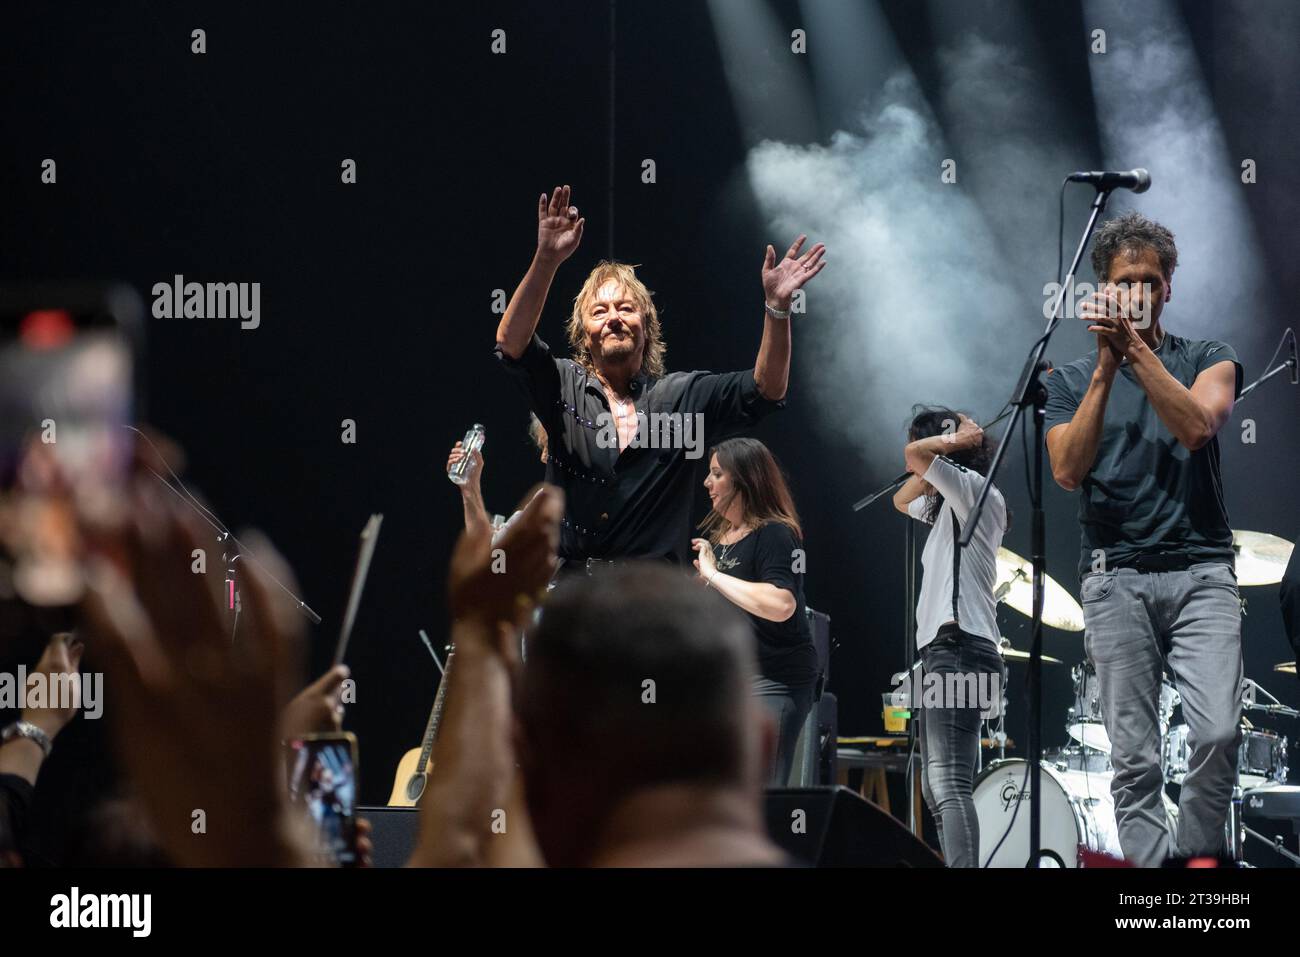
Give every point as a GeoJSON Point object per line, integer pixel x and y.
{"type": "Point", "coordinates": [1015, 654]}
{"type": "Point", "coordinates": [1261, 557]}
{"type": "Point", "coordinates": [1287, 666]}
{"type": "Point", "coordinates": [1015, 586]}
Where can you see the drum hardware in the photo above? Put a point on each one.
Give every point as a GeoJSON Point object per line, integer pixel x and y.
{"type": "Point", "coordinates": [1014, 588]}
{"type": "Point", "coordinates": [1079, 758]}
{"type": "Point", "coordinates": [1015, 654]}
{"type": "Point", "coordinates": [1275, 803]}
{"type": "Point", "coordinates": [1249, 693]}
{"type": "Point", "coordinates": [1084, 722]}
{"type": "Point", "coordinates": [1261, 762]}
{"type": "Point", "coordinates": [1275, 844]}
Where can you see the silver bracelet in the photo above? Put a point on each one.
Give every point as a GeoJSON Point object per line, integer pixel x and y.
{"type": "Point", "coordinates": [776, 313]}
{"type": "Point", "coordinates": [25, 729]}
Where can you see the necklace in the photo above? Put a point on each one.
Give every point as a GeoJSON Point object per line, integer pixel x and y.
{"type": "Point", "coordinates": [616, 405]}
{"type": "Point", "coordinates": [723, 558]}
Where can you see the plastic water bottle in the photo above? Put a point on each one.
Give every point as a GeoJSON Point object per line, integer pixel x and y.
{"type": "Point", "coordinates": [462, 470]}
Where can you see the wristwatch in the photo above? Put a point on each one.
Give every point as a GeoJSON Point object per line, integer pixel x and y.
{"type": "Point", "coordinates": [25, 729]}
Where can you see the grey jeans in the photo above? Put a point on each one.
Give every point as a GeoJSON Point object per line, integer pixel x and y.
{"type": "Point", "coordinates": [950, 743]}
{"type": "Point", "coordinates": [1136, 624]}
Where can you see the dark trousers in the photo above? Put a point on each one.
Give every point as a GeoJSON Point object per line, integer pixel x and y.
{"type": "Point", "coordinates": [950, 741]}
{"type": "Point", "coordinates": [789, 703]}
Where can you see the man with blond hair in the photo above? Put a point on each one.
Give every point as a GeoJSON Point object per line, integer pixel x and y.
{"type": "Point", "coordinates": [625, 433]}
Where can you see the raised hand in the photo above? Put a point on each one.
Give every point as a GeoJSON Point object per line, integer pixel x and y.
{"type": "Point", "coordinates": [60, 663]}
{"type": "Point", "coordinates": [196, 716]}
{"type": "Point", "coordinates": [500, 584]}
{"type": "Point", "coordinates": [969, 433]}
{"type": "Point", "coordinates": [559, 227]}
{"type": "Point", "coordinates": [782, 278]}
{"type": "Point", "coordinates": [317, 708]}
{"type": "Point", "coordinates": [705, 563]}
{"type": "Point", "coordinates": [474, 484]}
{"type": "Point", "coordinates": [1109, 318]}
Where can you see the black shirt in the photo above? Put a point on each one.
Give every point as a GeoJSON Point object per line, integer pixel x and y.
{"type": "Point", "coordinates": [634, 504]}
{"type": "Point", "coordinates": [771, 553]}
{"type": "Point", "coordinates": [1147, 494]}
{"type": "Point", "coordinates": [15, 808]}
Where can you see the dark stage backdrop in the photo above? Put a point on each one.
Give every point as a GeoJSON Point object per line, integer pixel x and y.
{"type": "Point", "coordinates": [377, 297]}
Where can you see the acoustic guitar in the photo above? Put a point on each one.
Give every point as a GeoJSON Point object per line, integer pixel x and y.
{"type": "Point", "coordinates": [413, 770]}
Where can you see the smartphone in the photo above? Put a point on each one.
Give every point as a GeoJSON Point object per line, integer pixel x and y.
{"type": "Point", "coordinates": [323, 779]}
{"type": "Point", "coordinates": [68, 392]}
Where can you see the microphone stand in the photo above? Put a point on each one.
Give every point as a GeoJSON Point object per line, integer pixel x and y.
{"type": "Point", "coordinates": [882, 491]}
{"type": "Point", "coordinates": [1290, 363]}
{"type": "Point", "coordinates": [886, 489]}
{"type": "Point", "coordinates": [232, 548]}
{"type": "Point", "coordinates": [909, 656]}
{"type": "Point", "coordinates": [1031, 393]}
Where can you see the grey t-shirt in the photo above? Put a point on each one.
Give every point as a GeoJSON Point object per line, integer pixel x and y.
{"type": "Point", "coordinates": [1147, 494]}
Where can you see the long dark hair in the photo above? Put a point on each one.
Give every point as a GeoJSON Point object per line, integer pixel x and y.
{"type": "Point", "coordinates": [929, 420]}
{"type": "Point", "coordinates": [755, 475]}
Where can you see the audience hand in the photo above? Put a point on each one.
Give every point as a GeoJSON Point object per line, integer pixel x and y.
{"type": "Point", "coordinates": [501, 584]}
{"type": "Point", "coordinates": [62, 657]}
{"type": "Point", "coordinates": [316, 708]}
{"type": "Point", "coordinates": [195, 715]}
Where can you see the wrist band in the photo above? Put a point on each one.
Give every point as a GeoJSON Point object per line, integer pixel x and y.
{"type": "Point", "coordinates": [25, 729]}
{"type": "Point", "coordinates": [776, 313]}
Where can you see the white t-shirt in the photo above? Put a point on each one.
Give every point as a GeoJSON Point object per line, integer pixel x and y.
{"type": "Point", "coordinates": [976, 609]}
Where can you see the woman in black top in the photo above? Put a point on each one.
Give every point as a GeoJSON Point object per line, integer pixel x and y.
{"type": "Point", "coordinates": [752, 553]}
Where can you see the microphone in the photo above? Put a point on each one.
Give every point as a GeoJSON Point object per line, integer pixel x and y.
{"type": "Point", "coordinates": [1138, 180]}
{"type": "Point", "coordinates": [1293, 361]}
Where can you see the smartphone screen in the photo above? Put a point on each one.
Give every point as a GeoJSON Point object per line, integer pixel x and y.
{"type": "Point", "coordinates": [323, 778]}
{"type": "Point", "coordinates": [67, 394]}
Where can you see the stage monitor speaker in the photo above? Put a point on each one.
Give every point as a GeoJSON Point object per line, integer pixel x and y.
{"type": "Point", "coordinates": [835, 827]}
{"type": "Point", "coordinates": [824, 827]}
{"type": "Point", "coordinates": [394, 832]}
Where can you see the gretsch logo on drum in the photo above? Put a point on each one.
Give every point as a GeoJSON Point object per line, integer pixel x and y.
{"type": "Point", "coordinates": [1011, 794]}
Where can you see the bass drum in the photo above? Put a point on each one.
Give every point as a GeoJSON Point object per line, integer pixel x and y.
{"type": "Point", "coordinates": [1077, 810]}
{"type": "Point", "coordinates": [1077, 813]}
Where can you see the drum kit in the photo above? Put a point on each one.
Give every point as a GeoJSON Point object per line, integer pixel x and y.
{"type": "Point", "coordinates": [1077, 812]}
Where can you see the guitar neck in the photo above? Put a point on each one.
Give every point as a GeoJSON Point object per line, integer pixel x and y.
{"type": "Point", "coordinates": [435, 716]}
